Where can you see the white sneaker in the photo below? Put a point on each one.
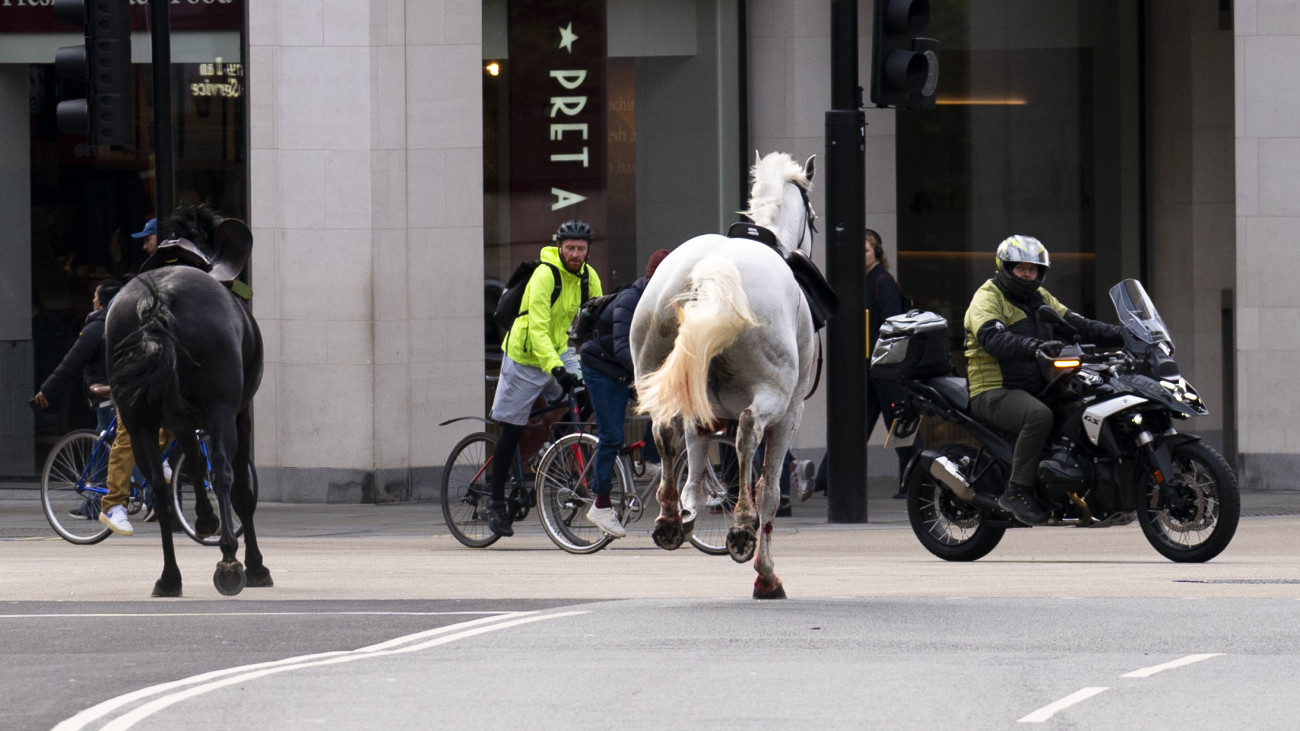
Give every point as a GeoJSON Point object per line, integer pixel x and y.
{"type": "Point", "coordinates": [167, 472]}
{"type": "Point", "coordinates": [803, 478]}
{"type": "Point", "coordinates": [652, 470]}
{"type": "Point", "coordinates": [115, 519]}
{"type": "Point", "coordinates": [607, 520]}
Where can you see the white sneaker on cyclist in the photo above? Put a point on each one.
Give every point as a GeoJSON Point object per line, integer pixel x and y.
{"type": "Point", "coordinates": [167, 472]}
{"type": "Point", "coordinates": [803, 478]}
{"type": "Point", "coordinates": [115, 519]}
{"type": "Point", "coordinates": [651, 474]}
{"type": "Point", "coordinates": [607, 520]}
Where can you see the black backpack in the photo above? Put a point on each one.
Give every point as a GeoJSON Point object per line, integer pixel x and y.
{"type": "Point", "coordinates": [512, 298]}
{"type": "Point", "coordinates": [584, 324]}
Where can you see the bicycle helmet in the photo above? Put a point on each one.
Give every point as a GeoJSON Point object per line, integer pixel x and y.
{"type": "Point", "coordinates": [573, 229]}
{"type": "Point", "coordinates": [1017, 250]}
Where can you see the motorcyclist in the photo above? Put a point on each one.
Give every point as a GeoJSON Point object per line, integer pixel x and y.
{"type": "Point", "coordinates": [1003, 337]}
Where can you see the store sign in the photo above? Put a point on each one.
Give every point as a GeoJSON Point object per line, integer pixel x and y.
{"type": "Point", "coordinates": [219, 79]}
{"type": "Point", "coordinates": [37, 16]}
{"type": "Point", "coordinates": [558, 156]}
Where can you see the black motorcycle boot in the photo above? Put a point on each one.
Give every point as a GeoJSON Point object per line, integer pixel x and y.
{"type": "Point", "coordinates": [499, 518]}
{"type": "Point", "coordinates": [1016, 500]}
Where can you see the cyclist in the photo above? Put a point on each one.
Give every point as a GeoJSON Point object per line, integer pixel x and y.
{"type": "Point", "coordinates": [87, 357]}
{"type": "Point", "coordinates": [607, 370]}
{"type": "Point", "coordinates": [1003, 336]}
{"type": "Point", "coordinates": [532, 363]}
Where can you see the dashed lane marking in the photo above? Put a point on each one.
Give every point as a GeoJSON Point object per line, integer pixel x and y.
{"type": "Point", "coordinates": [1148, 672]}
{"type": "Point", "coordinates": [1051, 709]}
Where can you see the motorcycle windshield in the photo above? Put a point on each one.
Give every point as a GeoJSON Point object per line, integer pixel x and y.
{"type": "Point", "coordinates": [1138, 313]}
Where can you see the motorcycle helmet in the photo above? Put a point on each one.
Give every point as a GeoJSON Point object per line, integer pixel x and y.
{"type": "Point", "coordinates": [1017, 250]}
{"type": "Point", "coordinates": [574, 229]}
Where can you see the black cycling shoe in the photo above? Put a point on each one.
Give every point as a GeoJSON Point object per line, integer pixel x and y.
{"type": "Point", "coordinates": [499, 518]}
{"type": "Point", "coordinates": [1016, 500]}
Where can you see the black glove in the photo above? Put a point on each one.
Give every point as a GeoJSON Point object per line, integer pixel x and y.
{"type": "Point", "coordinates": [566, 379]}
{"type": "Point", "coordinates": [1051, 348]}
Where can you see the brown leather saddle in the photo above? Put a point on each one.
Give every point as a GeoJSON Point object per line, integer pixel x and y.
{"type": "Point", "coordinates": [232, 244]}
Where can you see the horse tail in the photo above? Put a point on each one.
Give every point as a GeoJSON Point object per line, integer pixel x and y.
{"type": "Point", "coordinates": [144, 362]}
{"type": "Point", "coordinates": [711, 314]}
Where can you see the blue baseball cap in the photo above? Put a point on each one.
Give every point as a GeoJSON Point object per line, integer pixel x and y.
{"type": "Point", "coordinates": [150, 229]}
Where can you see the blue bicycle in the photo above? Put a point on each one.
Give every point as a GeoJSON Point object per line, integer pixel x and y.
{"type": "Point", "coordinates": [75, 478]}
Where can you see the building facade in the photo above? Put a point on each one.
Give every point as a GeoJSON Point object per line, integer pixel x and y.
{"type": "Point", "coordinates": [387, 173]}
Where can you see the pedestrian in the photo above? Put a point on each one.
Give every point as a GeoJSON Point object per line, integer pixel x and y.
{"type": "Point", "coordinates": [1003, 337]}
{"type": "Point", "coordinates": [150, 235]}
{"type": "Point", "coordinates": [532, 365]}
{"type": "Point", "coordinates": [608, 374]}
{"type": "Point", "coordinates": [884, 299]}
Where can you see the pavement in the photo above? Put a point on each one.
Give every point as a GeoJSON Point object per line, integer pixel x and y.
{"type": "Point", "coordinates": [403, 551]}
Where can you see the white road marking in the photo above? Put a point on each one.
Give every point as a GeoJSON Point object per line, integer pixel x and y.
{"type": "Point", "coordinates": [110, 615]}
{"type": "Point", "coordinates": [1148, 672]}
{"type": "Point", "coordinates": [176, 691]}
{"type": "Point", "coordinates": [1049, 710]}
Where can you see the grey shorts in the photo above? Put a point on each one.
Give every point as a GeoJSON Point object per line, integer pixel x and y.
{"type": "Point", "coordinates": [518, 388]}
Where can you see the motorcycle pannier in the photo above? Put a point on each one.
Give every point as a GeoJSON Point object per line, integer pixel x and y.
{"type": "Point", "coordinates": [911, 346]}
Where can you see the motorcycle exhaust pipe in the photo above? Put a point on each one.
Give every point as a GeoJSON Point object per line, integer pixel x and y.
{"type": "Point", "coordinates": [943, 470]}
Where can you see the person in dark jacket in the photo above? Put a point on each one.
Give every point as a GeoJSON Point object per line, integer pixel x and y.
{"type": "Point", "coordinates": [607, 371]}
{"type": "Point", "coordinates": [1003, 337]}
{"type": "Point", "coordinates": [87, 358]}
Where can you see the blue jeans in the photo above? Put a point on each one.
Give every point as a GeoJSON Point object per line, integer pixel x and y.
{"type": "Point", "coordinates": [609, 401]}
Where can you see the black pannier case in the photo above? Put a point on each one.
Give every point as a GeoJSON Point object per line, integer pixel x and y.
{"type": "Point", "coordinates": [910, 347]}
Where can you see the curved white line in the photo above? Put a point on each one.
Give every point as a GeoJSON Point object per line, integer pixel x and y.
{"type": "Point", "coordinates": [207, 682]}
{"type": "Point", "coordinates": [1049, 710]}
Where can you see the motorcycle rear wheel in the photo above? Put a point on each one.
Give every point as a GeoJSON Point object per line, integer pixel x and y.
{"type": "Point", "coordinates": [948, 527]}
{"type": "Point", "coordinates": [1203, 527]}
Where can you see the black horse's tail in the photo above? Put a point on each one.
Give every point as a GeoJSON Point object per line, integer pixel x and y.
{"type": "Point", "coordinates": [144, 362]}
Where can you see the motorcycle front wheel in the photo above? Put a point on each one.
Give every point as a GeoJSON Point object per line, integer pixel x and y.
{"type": "Point", "coordinates": [948, 527]}
{"type": "Point", "coordinates": [1199, 524]}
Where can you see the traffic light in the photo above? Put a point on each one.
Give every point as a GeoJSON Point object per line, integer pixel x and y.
{"type": "Point", "coordinates": [106, 114]}
{"type": "Point", "coordinates": [904, 67]}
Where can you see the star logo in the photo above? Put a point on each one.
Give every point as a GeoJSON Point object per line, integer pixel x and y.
{"type": "Point", "coordinates": [567, 38]}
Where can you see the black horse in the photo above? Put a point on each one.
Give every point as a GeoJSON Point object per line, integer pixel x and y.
{"type": "Point", "coordinates": [186, 354]}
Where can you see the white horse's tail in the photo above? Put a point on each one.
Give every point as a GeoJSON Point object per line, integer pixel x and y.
{"type": "Point", "coordinates": [711, 314]}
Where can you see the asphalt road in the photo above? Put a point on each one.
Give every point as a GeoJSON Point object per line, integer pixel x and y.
{"type": "Point", "coordinates": [424, 633]}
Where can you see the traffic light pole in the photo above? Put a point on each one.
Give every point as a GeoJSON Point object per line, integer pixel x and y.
{"type": "Point", "coordinates": [846, 372]}
{"type": "Point", "coordinates": [163, 155]}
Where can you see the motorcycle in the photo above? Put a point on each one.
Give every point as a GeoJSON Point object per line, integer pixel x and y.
{"type": "Point", "coordinates": [1114, 454]}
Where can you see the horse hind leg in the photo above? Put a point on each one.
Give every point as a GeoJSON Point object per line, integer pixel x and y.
{"type": "Point", "coordinates": [767, 585]}
{"type": "Point", "coordinates": [668, 533]}
{"type": "Point", "coordinates": [742, 538]}
{"type": "Point", "coordinates": [243, 499]}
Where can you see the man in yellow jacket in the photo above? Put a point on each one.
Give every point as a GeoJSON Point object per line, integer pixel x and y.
{"type": "Point", "coordinates": [532, 364]}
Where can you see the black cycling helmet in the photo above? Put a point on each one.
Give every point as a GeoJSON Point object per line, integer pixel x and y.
{"type": "Point", "coordinates": [1017, 250]}
{"type": "Point", "coordinates": [573, 229]}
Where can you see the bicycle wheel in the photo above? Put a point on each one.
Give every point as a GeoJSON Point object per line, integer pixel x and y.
{"type": "Point", "coordinates": [185, 502]}
{"type": "Point", "coordinates": [564, 481]}
{"type": "Point", "coordinates": [73, 479]}
{"type": "Point", "coordinates": [722, 486]}
{"type": "Point", "coordinates": [464, 492]}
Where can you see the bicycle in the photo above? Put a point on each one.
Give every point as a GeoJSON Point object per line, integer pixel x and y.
{"type": "Point", "coordinates": [74, 479]}
{"type": "Point", "coordinates": [562, 467]}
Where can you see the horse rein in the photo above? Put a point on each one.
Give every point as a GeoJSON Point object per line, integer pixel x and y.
{"type": "Point", "coordinates": [809, 220]}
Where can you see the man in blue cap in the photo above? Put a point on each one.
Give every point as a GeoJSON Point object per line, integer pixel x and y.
{"type": "Point", "coordinates": [150, 235]}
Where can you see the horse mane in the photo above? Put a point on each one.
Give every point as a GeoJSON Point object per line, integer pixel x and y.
{"type": "Point", "coordinates": [196, 222]}
{"type": "Point", "coordinates": [770, 175]}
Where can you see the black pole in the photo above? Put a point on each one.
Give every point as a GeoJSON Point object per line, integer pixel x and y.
{"type": "Point", "coordinates": [846, 372]}
{"type": "Point", "coordinates": [164, 171]}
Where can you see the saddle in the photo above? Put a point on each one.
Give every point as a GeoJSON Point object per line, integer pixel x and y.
{"type": "Point", "coordinates": [232, 244]}
{"type": "Point", "coordinates": [823, 303]}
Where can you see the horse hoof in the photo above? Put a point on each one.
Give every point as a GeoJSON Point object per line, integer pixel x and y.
{"type": "Point", "coordinates": [259, 578]}
{"type": "Point", "coordinates": [766, 590]}
{"type": "Point", "coordinates": [207, 527]}
{"type": "Point", "coordinates": [229, 578]}
{"type": "Point", "coordinates": [161, 590]}
{"type": "Point", "coordinates": [668, 534]}
{"type": "Point", "coordinates": [742, 541]}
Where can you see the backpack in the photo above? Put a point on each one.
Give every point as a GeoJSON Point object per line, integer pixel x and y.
{"type": "Point", "coordinates": [512, 297]}
{"type": "Point", "coordinates": [584, 324]}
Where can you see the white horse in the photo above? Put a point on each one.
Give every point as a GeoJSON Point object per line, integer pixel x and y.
{"type": "Point", "coordinates": [722, 332]}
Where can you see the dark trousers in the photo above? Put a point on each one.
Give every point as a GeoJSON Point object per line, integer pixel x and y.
{"type": "Point", "coordinates": [1013, 410]}
{"type": "Point", "coordinates": [609, 401]}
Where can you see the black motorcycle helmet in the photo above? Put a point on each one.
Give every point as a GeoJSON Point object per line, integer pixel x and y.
{"type": "Point", "coordinates": [1017, 250]}
{"type": "Point", "coordinates": [573, 229]}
